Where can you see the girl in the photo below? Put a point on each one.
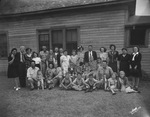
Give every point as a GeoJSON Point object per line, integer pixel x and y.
{"type": "Point", "coordinates": [40, 80]}
{"type": "Point", "coordinates": [51, 58]}
{"type": "Point", "coordinates": [66, 82]}
{"type": "Point", "coordinates": [49, 76]}
{"type": "Point", "coordinates": [36, 59]}
{"type": "Point", "coordinates": [135, 67]}
{"type": "Point", "coordinates": [65, 59]}
{"type": "Point", "coordinates": [13, 68]}
{"type": "Point", "coordinates": [103, 54]}
{"type": "Point", "coordinates": [99, 63]}
{"type": "Point", "coordinates": [124, 83]}
{"type": "Point", "coordinates": [73, 61]}
{"type": "Point", "coordinates": [112, 83]}
{"type": "Point", "coordinates": [78, 83]}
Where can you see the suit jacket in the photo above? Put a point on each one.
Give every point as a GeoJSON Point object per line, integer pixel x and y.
{"type": "Point", "coordinates": [86, 56]}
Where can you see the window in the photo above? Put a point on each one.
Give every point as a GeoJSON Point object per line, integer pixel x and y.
{"type": "Point", "coordinates": [66, 38]}
{"type": "Point", "coordinates": [3, 45]}
{"type": "Point", "coordinates": [137, 35]}
{"type": "Point", "coordinates": [44, 39]}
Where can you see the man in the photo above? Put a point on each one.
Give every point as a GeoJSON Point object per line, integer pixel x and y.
{"type": "Point", "coordinates": [22, 66]}
{"type": "Point", "coordinates": [43, 55]}
{"type": "Point", "coordinates": [90, 55]}
{"type": "Point", "coordinates": [32, 74]}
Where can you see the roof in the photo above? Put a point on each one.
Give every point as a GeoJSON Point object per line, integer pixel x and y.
{"type": "Point", "coordinates": [138, 20]}
{"type": "Point", "coordinates": [25, 6]}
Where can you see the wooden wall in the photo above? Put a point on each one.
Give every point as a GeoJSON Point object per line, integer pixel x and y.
{"type": "Point", "coordinates": [100, 27]}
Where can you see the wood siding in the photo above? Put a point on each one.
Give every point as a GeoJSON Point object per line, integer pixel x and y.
{"type": "Point", "coordinates": [100, 28]}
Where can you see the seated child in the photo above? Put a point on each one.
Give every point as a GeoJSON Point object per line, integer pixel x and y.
{"type": "Point", "coordinates": [87, 71]}
{"type": "Point", "coordinates": [79, 83]}
{"type": "Point", "coordinates": [112, 84]}
{"type": "Point", "coordinates": [40, 80]}
{"type": "Point", "coordinates": [91, 83]}
{"type": "Point", "coordinates": [125, 86]}
{"type": "Point", "coordinates": [66, 82]}
{"type": "Point", "coordinates": [49, 76]}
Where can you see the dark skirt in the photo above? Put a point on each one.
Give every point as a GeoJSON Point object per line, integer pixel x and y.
{"type": "Point", "coordinates": [136, 73]}
{"type": "Point", "coordinates": [12, 71]}
{"type": "Point", "coordinates": [113, 65]}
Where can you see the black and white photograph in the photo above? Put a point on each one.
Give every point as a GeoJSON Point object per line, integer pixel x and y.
{"type": "Point", "coordinates": [74, 58]}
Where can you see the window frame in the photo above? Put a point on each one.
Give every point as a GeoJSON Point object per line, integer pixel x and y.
{"type": "Point", "coordinates": [7, 41]}
{"type": "Point", "coordinates": [128, 37]}
{"type": "Point", "coordinates": [63, 28]}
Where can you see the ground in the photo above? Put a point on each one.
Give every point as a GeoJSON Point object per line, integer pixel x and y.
{"type": "Point", "coordinates": [59, 103]}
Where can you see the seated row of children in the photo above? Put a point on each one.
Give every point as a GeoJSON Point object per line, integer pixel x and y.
{"type": "Point", "coordinates": [86, 80]}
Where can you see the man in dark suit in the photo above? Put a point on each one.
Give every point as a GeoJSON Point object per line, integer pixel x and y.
{"type": "Point", "coordinates": [90, 55]}
{"type": "Point", "coordinates": [22, 66]}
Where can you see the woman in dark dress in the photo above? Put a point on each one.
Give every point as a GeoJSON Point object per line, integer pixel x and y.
{"type": "Point", "coordinates": [12, 71]}
{"type": "Point", "coordinates": [124, 61]}
{"type": "Point", "coordinates": [113, 58]}
{"type": "Point", "coordinates": [135, 67]}
{"type": "Point", "coordinates": [28, 57]}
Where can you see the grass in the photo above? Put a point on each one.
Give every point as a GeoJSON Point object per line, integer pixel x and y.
{"type": "Point", "coordinates": [60, 103]}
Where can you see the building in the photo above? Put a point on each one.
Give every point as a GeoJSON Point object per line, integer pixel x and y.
{"type": "Point", "coordinates": [68, 23]}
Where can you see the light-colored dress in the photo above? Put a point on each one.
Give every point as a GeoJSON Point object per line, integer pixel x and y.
{"type": "Point", "coordinates": [80, 58]}
{"type": "Point", "coordinates": [65, 63]}
{"type": "Point", "coordinates": [103, 56]}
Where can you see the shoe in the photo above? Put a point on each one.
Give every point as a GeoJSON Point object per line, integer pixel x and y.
{"type": "Point", "coordinates": [17, 89]}
{"type": "Point", "coordinates": [113, 93]}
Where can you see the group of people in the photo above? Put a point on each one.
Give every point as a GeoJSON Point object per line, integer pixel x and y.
{"type": "Point", "coordinates": [79, 71]}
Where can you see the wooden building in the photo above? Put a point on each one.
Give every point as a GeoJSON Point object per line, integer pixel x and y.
{"type": "Point", "coordinates": [68, 23]}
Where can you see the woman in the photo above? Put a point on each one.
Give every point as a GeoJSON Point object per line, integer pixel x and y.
{"type": "Point", "coordinates": [113, 58]}
{"type": "Point", "coordinates": [103, 54]}
{"type": "Point", "coordinates": [51, 58]}
{"type": "Point", "coordinates": [80, 56]}
{"type": "Point", "coordinates": [28, 57]}
{"type": "Point", "coordinates": [135, 67]}
{"type": "Point", "coordinates": [124, 61]}
{"type": "Point", "coordinates": [13, 68]}
{"type": "Point", "coordinates": [65, 62]}
{"type": "Point", "coordinates": [36, 59]}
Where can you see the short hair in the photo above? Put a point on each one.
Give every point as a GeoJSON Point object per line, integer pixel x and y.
{"type": "Point", "coordinates": [34, 53]}
{"type": "Point", "coordinates": [65, 51]}
{"type": "Point", "coordinates": [99, 58]}
{"type": "Point", "coordinates": [137, 48]}
{"type": "Point", "coordinates": [28, 49]}
{"type": "Point", "coordinates": [124, 49]}
{"type": "Point", "coordinates": [13, 49]}
{"type": "Point", "coordinates": [104, 61]}
{"type": "Point", "coordinates": [51, 64]}
{"type": "Point", "coordinates": [112, 45]}
{"type": "Point", "coordinates": [104, 49]}
{"type": "Point", "coordinates": [90, 46]}
{"type": "Point", "coordinates": [80, 47]}
{"type": "Point", "coordinates": [32, 61]}
{"type": "Point", "coordinates": [74, 51]}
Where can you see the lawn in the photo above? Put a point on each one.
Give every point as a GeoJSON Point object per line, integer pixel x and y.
{"type": "Point", "coordinates": [60, 103]}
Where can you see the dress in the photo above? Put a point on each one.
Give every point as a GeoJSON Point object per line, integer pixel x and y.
{"type": "Point", "coordinates": [113, 57]}
{"type": "Point", "coordinates": [37, 61]}
{"type": "Point", "coordinates": [103, 56]}
{"type": "Point", "coordinates": [65, 63]}
{"type": "Point", "coordinates": [124, 63]}
{"type": "Point", "coordinates": [136, 62]}
{"type": "Point", "coordinates": [28, 59]}
{"type": "Point", "coordinates": [80, 58]}
{"type": "Point", "coordinates": [12, 71]}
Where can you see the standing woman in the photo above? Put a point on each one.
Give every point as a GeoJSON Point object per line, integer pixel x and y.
{"type": "Point", "coordinates": [113, 58]}
{"type": "Point", "coordinates": [65, 62]}
{"type": "Point", "coordinates": [80, 56]}
{"type": "Point", "coordinates": [103, 54]}
{"type": "Point", "coordinates": [51, 58]}
{"type": "Point", "coordinates": [37, 59]}
{"type": "Point", "coordinates": [124, 61]}
{"type": "Point", "coordinates": [13, 68]}
{"type": "Point", "coordinates": [28, 57]}
{"type": "Point", "coordinates": [135, 67]}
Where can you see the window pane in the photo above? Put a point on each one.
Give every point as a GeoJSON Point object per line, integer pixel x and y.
{"type": "Point", "coordinates": [71, 39]}
{"type": "Point", "coordinates": [3, 45]}
{"type": "Point", "coordinates": [138, 36]}
{"type": "Point", "coordinates": [44, 41]}
{"type": "Point", "coordinates": [57, 38]}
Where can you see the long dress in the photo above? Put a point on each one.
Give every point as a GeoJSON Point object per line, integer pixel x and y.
{"type": "Point", "coordinates": [65, 63]}
{"type": "Point", "coordinates": [113, 57]}
{"type": "Point", "coordinates": [28, 59]}
{"type": "Point", "coordinates": [124, 63]}
{"type": "Point", "coordinates": [80, 58]}
{"type": "Point", "coordinates": [12, 71]}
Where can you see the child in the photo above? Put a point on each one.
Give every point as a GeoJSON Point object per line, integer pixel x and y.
{"type": "Point", "coordinates": [49, 76]}
{"type": "Point", "coordinates": [87, 71]}
{"type": "Point", "coordinates": [112, 84]}
{"type": "Point", "coordinates": [91, 83]}
{"type": "Point", "coordinates": [79, 83]}
{"type": "Point", "coordinates": [125, 86]}
{"type": "Point", "coordinates": [73, 61]}
{"type": "Point", "coordinates": [40, 80]}
{"type": "Point", "coordinates": [99, 62]}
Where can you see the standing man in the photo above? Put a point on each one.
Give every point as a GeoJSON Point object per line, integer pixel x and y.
{"type": "Point", "coordinates": [90, 55]}
{"type": "Point", "coordinates": [22, 66]}
{"type": "Point", "coordinates": [43, 55]}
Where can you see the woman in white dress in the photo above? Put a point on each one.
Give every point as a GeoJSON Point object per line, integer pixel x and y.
{"type": "Point", "coordinates": [65, 60]}
{"type": "Point", "coordinates": [103, 54]}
